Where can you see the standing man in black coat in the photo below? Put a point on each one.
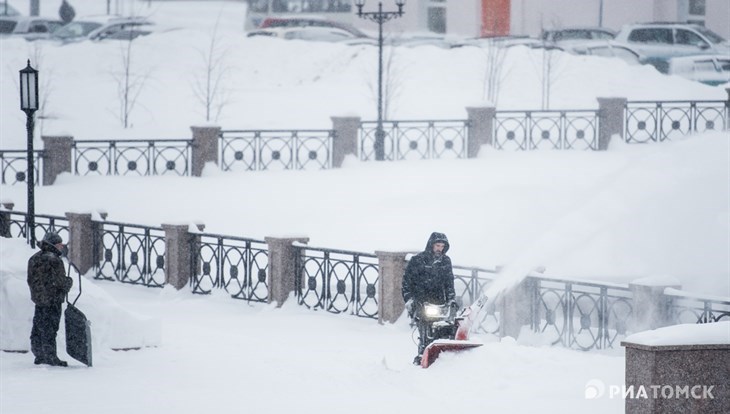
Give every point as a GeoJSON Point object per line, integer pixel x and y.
{"type": "Point", "coordinates": [429, 277]}
{"type": "Point", "coordinates": [48, 287]}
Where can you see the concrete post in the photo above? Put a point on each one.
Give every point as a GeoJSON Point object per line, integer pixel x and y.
{"type": "Point", "coordinates": [610, 120]}
{"type": "Point", "coordinates": [514, 305]}
{"type": "Point", "coordinates": [283, 259]}
{"type": "Point", "coordinates": [345, 141]}
{"type": "Point", "coordinates": [391, 267]}
{"type": "Point", "coordinates": [481, 126]}
{"type": "Point", "coordinates": [57, 157]}
{"type": "Point", "coordinates": [651, 307]}
{"type": "Point", "coordinates": [205, 148]}
{"type": "Point", "coordinates": [81, 240]}
{"type": "Point", "coordinates": [177, 255]}
{"type": "Point", "coordinates": [677, 378]}
{"type": "Point", "coordinates": [5, 210]}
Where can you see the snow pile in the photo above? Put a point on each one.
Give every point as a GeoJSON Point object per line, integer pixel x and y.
{"type": "Point", "coordinates": [112, 327]}
{"type": "Point", "coordinates": [685, 334]}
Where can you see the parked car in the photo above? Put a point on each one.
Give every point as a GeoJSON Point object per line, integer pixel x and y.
{"type": "Point", "coordinates": [708, 69]}
{"type": "Point", "coordinates": [503, 41]}
{"type": "Point", "coordinates": [308, 21]}
{"type": "Point", "coordinates": [663, 40]}
{"type": "Point", "coordinates": [29, 28]}
{"type": "Point", "coordinates": [604, 49]}
{"type": "Point", "coordinates": [100, 28]}
{"type": "Point", "coordinates": [321, 34]}
{"type": "Point", "coordinates": [577, 33]}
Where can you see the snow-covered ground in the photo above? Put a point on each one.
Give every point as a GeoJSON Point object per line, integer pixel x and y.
{"type": "Point", "coordinates": [634, 212]}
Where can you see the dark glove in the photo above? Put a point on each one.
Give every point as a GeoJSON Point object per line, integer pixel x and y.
{"type": "Point", "coordinates": [69, 283]}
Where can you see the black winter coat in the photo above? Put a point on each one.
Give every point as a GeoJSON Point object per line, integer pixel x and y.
{"type": "Point", "coordinates": [429, 278]}
{"type": "Point", "coordinates": [47, 277]}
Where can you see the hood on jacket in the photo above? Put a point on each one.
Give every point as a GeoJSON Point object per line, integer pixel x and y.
{"type": "Point", "coordinates": [437, 237]}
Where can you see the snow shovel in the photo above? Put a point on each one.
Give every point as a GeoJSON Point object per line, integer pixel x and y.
{"type": "Point", "coordinates": [78, 328]}
{"type": "Point", "coordinates": [461, 342]}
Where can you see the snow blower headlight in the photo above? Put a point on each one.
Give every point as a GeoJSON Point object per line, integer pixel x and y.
{"type": "Point", "coordinates": [433, 311]}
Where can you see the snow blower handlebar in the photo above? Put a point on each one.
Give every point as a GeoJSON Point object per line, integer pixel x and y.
{"type": "Point", "coordinates": [70, 266]}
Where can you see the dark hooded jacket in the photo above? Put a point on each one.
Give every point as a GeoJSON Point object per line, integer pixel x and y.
{"type": "Point", "coordinates": [47, 277]}
{"type": "Point", "coordinates": [430, 278]}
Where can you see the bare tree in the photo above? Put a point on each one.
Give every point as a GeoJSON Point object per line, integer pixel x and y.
{"type": "Point", "coordinates": [45, 88]}
{"type": "Point", "coordinates": [209, 82]}
{"type": "Point", "coordinates": [493, 71]}
{"type": "Point", "coordinates": [393, 76]}
{"type": "Point", "coordinates": [129, 84]}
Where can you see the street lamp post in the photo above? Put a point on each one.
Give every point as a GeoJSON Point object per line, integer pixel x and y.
{"type": "Point", "coordinates": [380, 17]}
{"type": "Point", "coordinates": [29, 104]}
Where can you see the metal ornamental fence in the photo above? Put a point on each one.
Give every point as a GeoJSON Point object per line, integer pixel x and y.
{"type": "Point", "coordinates": [14, 166]}
{"type": "Point", "coordinates": [574, 314]}
{"type": "Point", "coordinates": [129, 253]}
{"type": "Point", "coordinates": [533, 130]}
{"type": "Point", "coordinates": [132, 157]}
{"type": "Point", "coordinates": [687, 308]}
{"type": "Point", "coordinates": [275, 150]}
{"type": "Point", "coordinates": [15, 224]}
{"type": "Point", "coordinates": [415, 140]}
{"type": "Point", "coordinates": [237, 265]}
{"type": "Point", "coordinates": [338, 281]}
{"type": "Point", "coordinates": [580, 315]}
{"type": "Point", "coordinates": [649, 121]}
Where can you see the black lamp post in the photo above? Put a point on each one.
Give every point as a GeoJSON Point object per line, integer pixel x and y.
{"type": "Point", "coordinates": [29, 104]}
{"type": "Point", "coordinates": [380, 17]}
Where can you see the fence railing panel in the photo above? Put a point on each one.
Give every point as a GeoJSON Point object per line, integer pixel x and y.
{"type": "Point", "coordinates": [237, 265]}
{"type": "Point", "coordinates": [276, 150]}
{"type": "Point", "coordinates": [660, 121]}
{"type": "Point", "coordinates": [17, 225]}
{"type": "Point", "coordinates": [580, 315]}
{"type": "Point", "coordinates": [687, 308]}
{"type": "Point", "coordinates": [14, 166]}
{"type": "Point", "coordinates": [132, 157]}
{"type": "Point", "coordinates": [338, 281]}
{"type": "Point", "coordinates": [469, 284]}
{"type": "Point", "coordinates": [533, 130]}
{"type": "Point", "coordinates": [419, 140]}
{"type": "Point", "coordinates": [129, 253]}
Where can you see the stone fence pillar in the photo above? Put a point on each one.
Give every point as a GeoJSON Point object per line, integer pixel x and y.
{"type": "Point", "coordinates": [481, 127]}
{"type": "Point", "coordinates": [205, 148]}
{"type": "Point", "coordinates": [5, 210]}
{"type": "Point", "coordinates": [345, 141]}
{"type": "Point", "coordinates": [177, 255]}
{"type": "Point", "coordinates": [81, 240]}
{"type": "Point", "coordinates": [391, 267]}
{"type": "Point", "coordinates": [283, 258]}
{"type": "Point", "coordinates": [57, 157]}
{"type": "Point", "coordinates": [678, 378]}
{"type": "Point", "coordinates": [651, 307]}
{"type": "Point", "coordinates": [610, 120]}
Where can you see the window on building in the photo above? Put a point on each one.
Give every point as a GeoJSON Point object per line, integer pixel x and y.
{"type": "Point", "coordinates": [697, 7]}
{"type": "Point", "coordinates": [437, 19]}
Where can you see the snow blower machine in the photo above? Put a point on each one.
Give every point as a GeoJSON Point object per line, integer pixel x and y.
{"type": "Point", "coordinates": [441, 329]}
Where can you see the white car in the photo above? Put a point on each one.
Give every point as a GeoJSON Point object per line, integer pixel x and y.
{"type": "Point", "coordinates": [102, 27]}
{"type": "Point", "coordinates": [708, 69]}
{"type": "Point", "coordinates": [29, 28]}
{"type": "Point", "coordinates": [604, 49]}
{"type": "Point", "coordinates": [665, 40]}
{"type": "Point", "coordinates": [312, 33]}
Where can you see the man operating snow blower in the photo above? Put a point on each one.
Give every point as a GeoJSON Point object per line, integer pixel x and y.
{"type": "Point", "coordinates": [428, 290]}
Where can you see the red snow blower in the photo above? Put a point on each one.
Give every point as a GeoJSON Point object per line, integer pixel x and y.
{"type": "Point", "coordinates": [440, 330]}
